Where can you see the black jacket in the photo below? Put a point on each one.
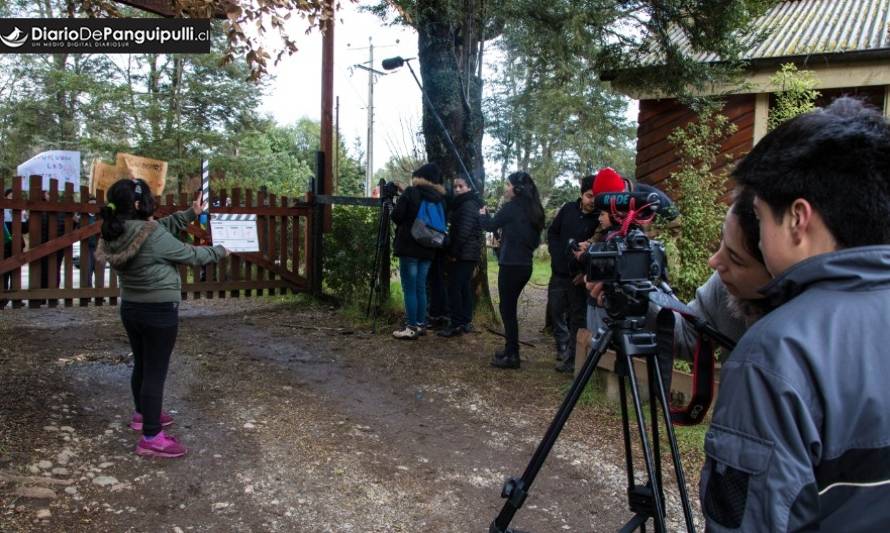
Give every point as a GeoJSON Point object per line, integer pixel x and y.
{"type": "Point", "coordinates": [405, 212]}
{"type": "Point", "coordinates": [570, 223]}
{"type": "Point", "coordinates": [518, 237]}
{"type": "Point", "coordinates": [465, 231]}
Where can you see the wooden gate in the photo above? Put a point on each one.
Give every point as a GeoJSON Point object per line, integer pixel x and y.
{"type": "Point", "coordinates": [39, 266]}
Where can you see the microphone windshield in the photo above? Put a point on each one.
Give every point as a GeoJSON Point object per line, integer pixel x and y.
{"type": "Point", "coordinates": [393, 63]}
{"type": "Point", "coordinates": [622, 200]}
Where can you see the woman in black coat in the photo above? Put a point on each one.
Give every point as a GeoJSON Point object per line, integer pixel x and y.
{"type": "Point", "coordinates": [463, 254]}
{"type": "Point", "coordinates": [521, 220]}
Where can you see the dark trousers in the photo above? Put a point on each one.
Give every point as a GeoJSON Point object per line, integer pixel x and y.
{"type": "Point", "coordinates": [152, 329]}
{"type": "Point", "coordinates": [460, 291]}
{"type": "Point", "coordinates": [568, 312]}
{"type": "Point", "coordinates": [438, 290]}
{"type": "Point", "coordinates": [511, 281]}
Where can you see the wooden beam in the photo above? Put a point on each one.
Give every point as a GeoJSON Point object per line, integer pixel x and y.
{"type": "Point", "coordinates": [327, 108]}
{"type": "Point", "coordinates": [165, 8]}
{"type": "Point", "coordinates": [761, 115]}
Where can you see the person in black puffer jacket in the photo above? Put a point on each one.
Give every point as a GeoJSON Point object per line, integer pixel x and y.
{"type": "Point", "coordinates": [414, 258]}
{"type": "Point", "coordinates": [463, 254]}
{"type": "Point", "coordinates": [521, 220]}
{"type": "Point", "coordinates": [566, 295]}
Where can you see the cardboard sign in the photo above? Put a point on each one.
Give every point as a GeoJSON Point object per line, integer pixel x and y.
{"type": "Point", "coordinates": [153, 171]}
{"type": "Point", "coordinates": [102, 176]}
{"type": "Point", "coordinates": [237, 233]}
{"type": "Point", "coordinates": [63, 165]}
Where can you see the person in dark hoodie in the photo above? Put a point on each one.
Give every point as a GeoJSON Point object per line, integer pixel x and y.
{"type": "Point", "coordinates": [463, 255]}
{"type": "Point", "coordinates": [566, 295]}
{"type": "Point", "coordinates": [145, 254]}
{"type": "Point", "coordinates": [800, 437]}
{"type": "Point", "coordinates": [414, 258]}
{"type": "Point", "coordinates": [521, 220]}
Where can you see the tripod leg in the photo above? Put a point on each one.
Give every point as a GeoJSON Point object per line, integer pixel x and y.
{"type": "Point", "coordinates": [675, 452]}
{"type": "Point", "coordinates": [656, 441]}
{"type": "Point", "coordinates": [515, 490]}
{"type": "Point", "coordinates": [647, 451]}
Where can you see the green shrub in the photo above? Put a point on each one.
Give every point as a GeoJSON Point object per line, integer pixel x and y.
{"type": "Point", "coordinates": [349, 251]}
{"type": "Point", "coordinates": [700, 190]}
{"type": "Point", "coordinates": [796, 94]}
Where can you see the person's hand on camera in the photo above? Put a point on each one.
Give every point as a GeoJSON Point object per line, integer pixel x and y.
{"type": "Point", "coordinates": [582, 248]}
{"type": "Point", "coordinates": [595, 289]}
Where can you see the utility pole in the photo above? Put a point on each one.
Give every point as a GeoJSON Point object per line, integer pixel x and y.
{"type": "Point", "coordinates": [372, 74]}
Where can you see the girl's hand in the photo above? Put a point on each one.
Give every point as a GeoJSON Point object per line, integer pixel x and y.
{"type": "Point", "coordinates": [199, 207]}
{"type": "Point", "coordinates": [482, 210]}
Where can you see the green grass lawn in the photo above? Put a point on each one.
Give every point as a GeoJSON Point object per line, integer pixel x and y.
{"type": "Point", "coordinates": [540, 270]}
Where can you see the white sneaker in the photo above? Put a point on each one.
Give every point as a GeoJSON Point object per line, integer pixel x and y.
{"type": "Point", "coordinates": [407, 333]}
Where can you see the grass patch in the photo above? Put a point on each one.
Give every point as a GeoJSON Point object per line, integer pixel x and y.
{"type": "Point", "coordinates": [540, 270]}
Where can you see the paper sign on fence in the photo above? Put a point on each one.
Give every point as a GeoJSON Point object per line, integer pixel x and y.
{"type": "Point", "coordinates": [63, 165]}
{"type": "Point", "coordinates": [102, 176]}
{"type": "Point", "coordinates": [153, 171]}
{"type": "Point", "coordinates": [237, 233]}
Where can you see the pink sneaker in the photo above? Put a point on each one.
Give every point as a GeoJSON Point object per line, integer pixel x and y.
{"type": "Point", "coordinates": [136, 423]}
{"type": "Point", "coordinates": [162, 445]}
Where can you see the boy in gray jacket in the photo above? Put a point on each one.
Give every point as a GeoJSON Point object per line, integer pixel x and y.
{"type": "Point", "coordinates": [800, 436]}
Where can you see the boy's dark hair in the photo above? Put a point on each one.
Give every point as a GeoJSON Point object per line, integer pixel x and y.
{"type": "Point", "coordinates": [838, 159]}
{"type": "Point", "coordinates": [429, 172]}
{"type": "Point", "coordinates": [587, 183]}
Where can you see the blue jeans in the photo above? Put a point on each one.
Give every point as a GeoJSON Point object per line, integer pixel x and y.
{"type": "Point", "coordinates": [413, 272]}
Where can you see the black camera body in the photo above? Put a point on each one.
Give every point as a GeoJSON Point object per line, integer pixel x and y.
{"type": "Point", "coordinates": [629, 267]}
{"type": "Point", "coordinates": [389, 190]}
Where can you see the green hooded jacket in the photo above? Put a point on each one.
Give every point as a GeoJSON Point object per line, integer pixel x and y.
{"type": "Point", "coordinates": [145, 257]}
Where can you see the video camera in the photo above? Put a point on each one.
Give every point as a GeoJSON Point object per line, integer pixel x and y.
{"type": "Point", "coordinates": [627, 262]}
{"type": "Point", "coordinates": [389, 190]}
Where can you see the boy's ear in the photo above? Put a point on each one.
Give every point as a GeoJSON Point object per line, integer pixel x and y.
{"type": "Point", "coordinates": [800, 218]}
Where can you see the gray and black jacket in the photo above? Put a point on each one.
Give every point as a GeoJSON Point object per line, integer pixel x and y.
{"type": "Point", "coordinates": [800, 437]}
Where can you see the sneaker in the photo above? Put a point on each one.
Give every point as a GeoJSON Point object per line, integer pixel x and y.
{"type": "Point", "coordinates": [162, 445]}
{"type": "Point", "coordinates": [505, 360]}
{"type": "Point", "coordinates": [136, 423]}
{"type": "Point", "coordinates": [467, 328]}
{"type": "Point", "coordinates": [456, 331]}
{"type": "Point", "coordinates": [407, 333]}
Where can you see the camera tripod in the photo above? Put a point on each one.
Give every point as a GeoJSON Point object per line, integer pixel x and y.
{"type": "Point", "coordinates": [381, 254]}
{"type": "Point", "coordinates": [627, 335]}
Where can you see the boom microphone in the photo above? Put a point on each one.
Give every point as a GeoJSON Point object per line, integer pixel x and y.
{"type": "Point", "coordinates": [393, 63]}
{"type": "Point", "coordinates": [622, 200]}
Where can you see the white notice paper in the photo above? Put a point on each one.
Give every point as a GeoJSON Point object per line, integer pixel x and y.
{"type": "Point", "coordinates": [236, 232]}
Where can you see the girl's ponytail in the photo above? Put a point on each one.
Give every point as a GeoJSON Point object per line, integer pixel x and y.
{"type": "Point", "coordinates": [119, 207]}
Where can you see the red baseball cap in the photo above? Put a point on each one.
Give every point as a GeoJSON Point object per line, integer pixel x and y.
{"type": "Point", "coordinates": [607, 180]}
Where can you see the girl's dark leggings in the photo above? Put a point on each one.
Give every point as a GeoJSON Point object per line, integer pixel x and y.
{"type": "Point", "coordinates": [511, 281]}
{"type": "Point", "coordinates": [152, 329]}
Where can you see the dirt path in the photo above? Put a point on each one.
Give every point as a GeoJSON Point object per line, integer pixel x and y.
{"type": "Point", "coordinates": [294, 423]}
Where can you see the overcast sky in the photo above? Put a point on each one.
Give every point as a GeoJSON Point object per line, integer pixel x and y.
{"type": "Point", "coordinates": [296, 90]}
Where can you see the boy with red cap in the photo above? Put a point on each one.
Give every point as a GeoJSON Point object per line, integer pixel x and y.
{"type": "Point", "coordinates": [579, 221]}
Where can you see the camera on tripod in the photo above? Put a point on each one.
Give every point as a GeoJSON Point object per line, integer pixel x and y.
{"type": "Point", "coordinates": [389, 190]}
{"type": "Point", "coordinates": [627, 263]}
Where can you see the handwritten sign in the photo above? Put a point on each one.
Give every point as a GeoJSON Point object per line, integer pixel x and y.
{"type": "Point", "coordinates": [63, 165]}
{"type": "Point", "coordinates": [237, 233]}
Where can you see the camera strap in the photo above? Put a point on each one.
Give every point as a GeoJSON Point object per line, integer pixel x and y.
{"type": "Point", "coordinates": [702, 369]}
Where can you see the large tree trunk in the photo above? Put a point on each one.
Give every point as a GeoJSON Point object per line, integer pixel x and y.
{"type": "Point", "coordinates": [449, 52]}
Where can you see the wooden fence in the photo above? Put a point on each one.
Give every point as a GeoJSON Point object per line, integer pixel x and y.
{"type": "Point", "coordinates": [38, 266]}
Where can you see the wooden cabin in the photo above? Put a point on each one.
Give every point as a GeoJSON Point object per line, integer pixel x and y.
{"type": "Point", "coordinates": [844, 43]}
